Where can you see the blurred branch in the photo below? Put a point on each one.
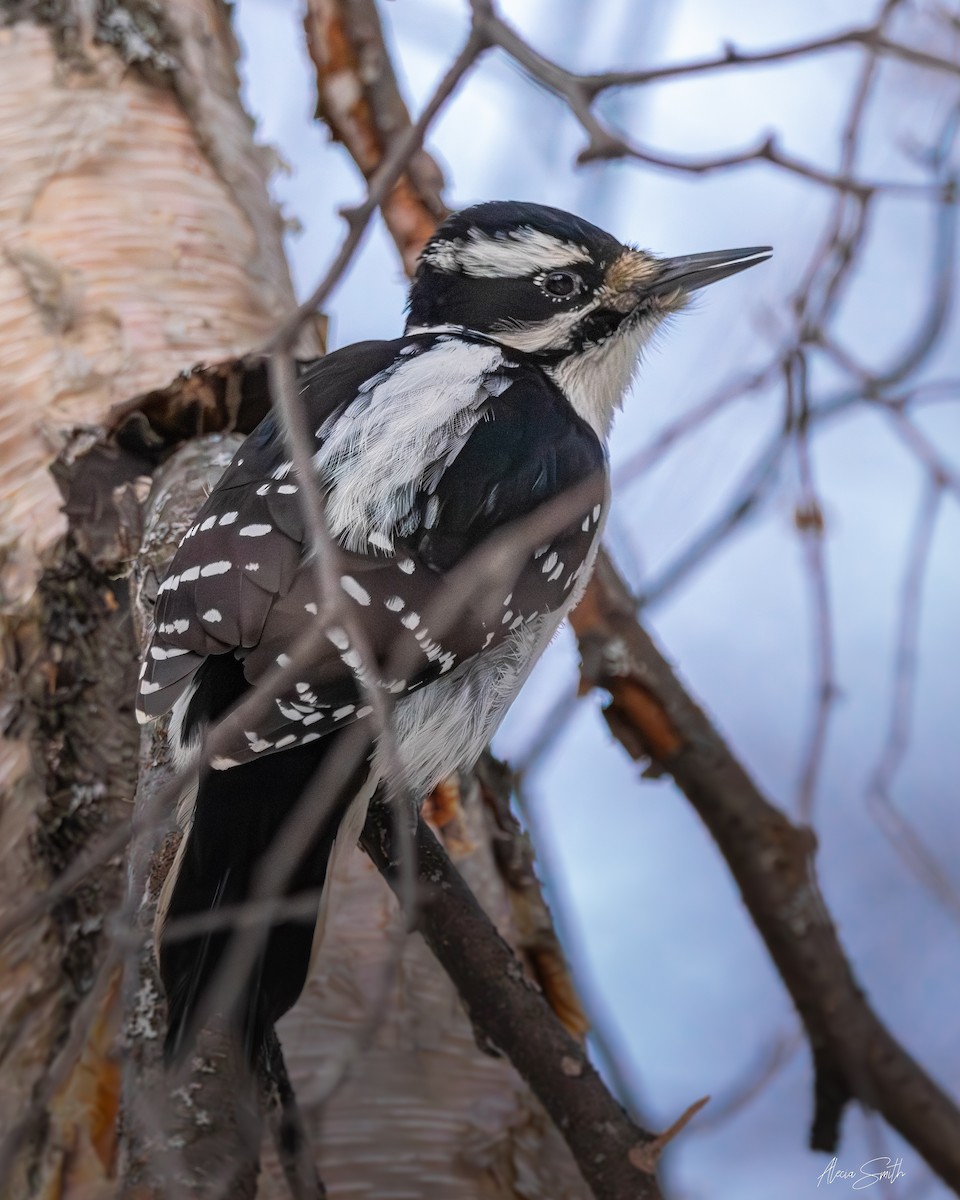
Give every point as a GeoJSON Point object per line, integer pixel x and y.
{"type": "Point", "coordinates": [511, 1017]}
{"type": "Point", "coordinates": [869, 36]}
{"type": "Point", "coordinates": [287, 1125]}
{"type": "Point", "coordinates": [899, 831]}
{"type": "Point", "coordinates": [772, 861]}
{"type": "Point", "coordinates": [359, 99]}
{"type": "Point", "coordinates": [754, 1081]}
{"type": "Point", "coordinates": [397, 159]}
{"type": "Point", "coordinates": [579, 93]}
{"type": "Point", "coordinates": [545, 734]}
{"type": "Point", "coordinates": [941, 473]}
{"type": "Point", "coordinates": [753, 487]}
{"type": "Point", "coordinates": [809, 521]}
{"type": "Point", "coordinates": [325, 556]}
{"type": "Point", "coordinates": [692, 421]}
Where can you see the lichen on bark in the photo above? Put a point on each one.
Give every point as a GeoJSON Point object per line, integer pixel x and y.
{"type": "Point", "coordinates": [137, 29]}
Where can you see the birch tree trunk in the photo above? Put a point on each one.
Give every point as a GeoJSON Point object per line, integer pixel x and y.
{"type": "Point", "coordinates": [138, 240]}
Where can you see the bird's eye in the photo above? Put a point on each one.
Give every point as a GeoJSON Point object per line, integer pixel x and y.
{"type": "Point", "coordinates": [561, 283]}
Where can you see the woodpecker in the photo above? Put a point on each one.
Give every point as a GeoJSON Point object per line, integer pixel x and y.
{"type": "Point", "coordinates": [526, 325]}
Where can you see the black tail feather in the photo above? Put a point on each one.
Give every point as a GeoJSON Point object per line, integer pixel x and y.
{"type": "Point", "coordinates": [238, 817]}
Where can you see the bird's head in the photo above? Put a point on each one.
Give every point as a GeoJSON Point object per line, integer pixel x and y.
{"type": "Point", "coordinates": [558, 290]}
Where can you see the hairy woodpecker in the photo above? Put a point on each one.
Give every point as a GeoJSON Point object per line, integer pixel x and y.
{"type": "Point", "coordinates": [525, 328]}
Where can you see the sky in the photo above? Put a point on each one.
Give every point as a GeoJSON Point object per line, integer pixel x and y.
{"type": "Point", "coordinates": [673, 970]}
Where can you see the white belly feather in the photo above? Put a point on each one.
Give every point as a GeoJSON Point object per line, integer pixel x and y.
{"type": "Point", "coordinates": [446, 725]}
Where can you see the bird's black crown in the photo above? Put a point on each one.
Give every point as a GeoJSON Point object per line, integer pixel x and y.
{"type": "Point", "coordinates": [505, 219]}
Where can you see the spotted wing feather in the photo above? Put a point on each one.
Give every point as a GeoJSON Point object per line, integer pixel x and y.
{"type": "Point", "coordinates": [252, 492]}
{"type": "Point", "coordinates": [240, 581]}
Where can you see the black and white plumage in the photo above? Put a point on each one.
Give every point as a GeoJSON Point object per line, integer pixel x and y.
{"type": "Point", "coordinates": [525, 327]}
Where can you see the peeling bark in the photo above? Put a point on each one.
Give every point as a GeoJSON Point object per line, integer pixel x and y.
{"type": "Point", "coordinates": [127, 230]}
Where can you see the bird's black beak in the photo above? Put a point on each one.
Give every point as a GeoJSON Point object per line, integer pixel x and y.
{"type": "Point", "coordinates": [693, 271]}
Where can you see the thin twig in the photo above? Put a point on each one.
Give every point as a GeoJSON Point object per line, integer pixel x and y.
{"type": "Point", "coordinates": [869, 37]}
{"type": "Point", "coordinates": [810, 523]}
{"type": "Point", "coordinates": [382, 180]}
{"type": "Point", "coordinates": [755, 1080]}
{"type": "Point", "coordinates": [898, 830]}
{"type": "Point", "coordinates": [604, 143]}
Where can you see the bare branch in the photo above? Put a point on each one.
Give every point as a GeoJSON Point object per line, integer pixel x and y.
{"type": "Point", "coordinates": [604, 143]}
{"type": "Point", "coordinates": [360, 101]}
{"type": "Point", "coordinates": [869, 36]}
{"type": "Point", "coordinates": [511, 1016]}
{"type": "Point", "coordinates": [754, 1081]}
{"type": "Point", "coordinates": [901, 834]}
{"type": "Point", "coordinates": [380, 184]}
{"type": "Point", "coordinates": [809, 520]}
{"type": "Point", "coordinates": [773, 863]}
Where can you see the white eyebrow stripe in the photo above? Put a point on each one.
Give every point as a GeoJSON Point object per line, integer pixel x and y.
{"type": "Point", "coordinates": [517, 254]}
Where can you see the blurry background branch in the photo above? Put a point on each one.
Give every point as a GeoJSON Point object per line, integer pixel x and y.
{"type": "Point", "coordinates": [510, 1017]}
{"type": "Point", "coordinates": [772, 861]}
{"type": "Point", "coordinates": [359, 99]}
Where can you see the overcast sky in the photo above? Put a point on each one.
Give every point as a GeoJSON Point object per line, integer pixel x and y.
{"type": "Point", "coordinates": [673, 970]}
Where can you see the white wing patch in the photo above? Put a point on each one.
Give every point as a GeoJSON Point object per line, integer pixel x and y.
{"type": "Point", "coordinates": [374, 455]}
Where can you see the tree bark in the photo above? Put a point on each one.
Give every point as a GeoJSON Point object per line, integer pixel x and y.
{"type": "Point", "coordinates": [139, 240]}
